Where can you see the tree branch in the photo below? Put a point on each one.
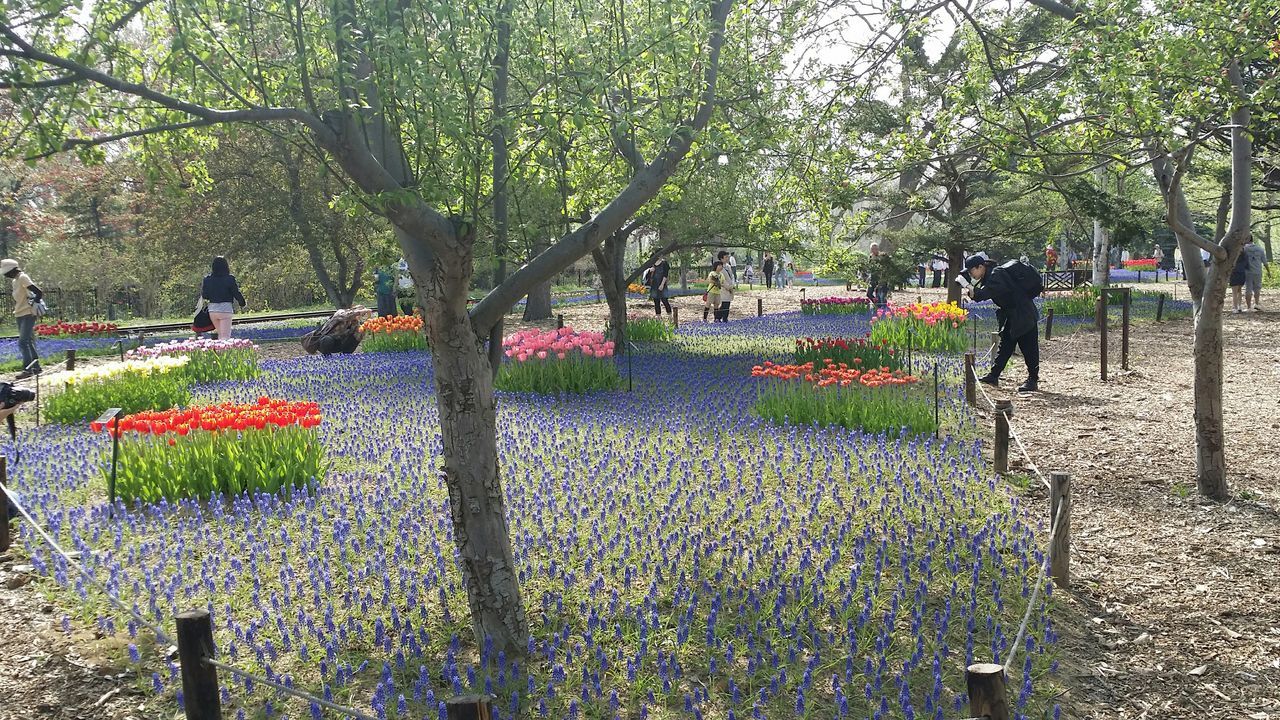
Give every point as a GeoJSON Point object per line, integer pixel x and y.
{"type": "Point", "coordinates": [642, 188]}
{"type": "Point", "coordinates": [71, 143]}
{"type": "Point", "coordinates": [211, 115]}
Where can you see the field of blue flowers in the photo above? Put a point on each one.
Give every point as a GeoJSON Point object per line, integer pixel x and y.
{"type": "Point", "coordinates": [680, 558]}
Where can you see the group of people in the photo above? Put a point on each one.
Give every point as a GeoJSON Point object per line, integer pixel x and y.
{"type": "Point", "coordinates": [781, 270]}
{"type": "Point", "coordinates": [722, 282]}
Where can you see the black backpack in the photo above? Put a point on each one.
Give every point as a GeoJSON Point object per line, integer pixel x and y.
{"type": "Point", "coordinates": [1025, 277]}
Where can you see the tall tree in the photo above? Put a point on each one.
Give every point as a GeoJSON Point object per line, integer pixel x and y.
{"type": "Point", "coordinates": [396, 96]}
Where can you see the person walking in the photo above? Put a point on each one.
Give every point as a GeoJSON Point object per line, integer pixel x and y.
{"type": "Point", "coordinates": [384, 287]}
{"type": "Point", "coordinates": [727, 285]}
{"type": "Point", "coordinates": [659, 279]}
{"type": "Point", "coordinates": [1239, 272]}
{"type": "Point", "coordinates": [1013, 288]}
{"type": "Point", "coordinates": [218, 290]}
{"type": "Point", "coordinates": [1157, 252]}
{"type": "Point", "coordinates": [26, 303]}
{"type": "Point", "coordinates": [711, 298]}
{"type": "Point", "coordinates": [1253, 275]}
{"type": "Point", "coordinates": [768, 271]}
{"type": "Point", "coordinates": [939, 266]}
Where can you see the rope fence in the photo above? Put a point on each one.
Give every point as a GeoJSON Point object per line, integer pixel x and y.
{"type": "Point", "coordinates": [1057, 556]}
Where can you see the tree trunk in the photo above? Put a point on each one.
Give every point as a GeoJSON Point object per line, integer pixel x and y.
{"type": "Point", "coordinates": [537, 305]}
{"type": "Point", "coordinates": [955, 263]}
{"type": "Point", "coordinates": [501, 171]}
{"type": "Point", "coordinates": [609, 258]}
{"type": "Point", "coordinates": [1211, 464]}
{"type": "Point", "coordinates": [464, 396]}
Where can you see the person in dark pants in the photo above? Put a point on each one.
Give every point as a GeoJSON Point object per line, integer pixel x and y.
{"type": "Point", "coordinates": [727, 284]}
{"type": "Point", "coordinates": [384, 287]}
{"type": "Point", "coordinates": [26, 303]}
{"type": "Point", "coordinates": [1013, 288]}
{"type": "Point", "coordinates": [768, 271]}
{"type": "Point", "coordinates": [658, 280]}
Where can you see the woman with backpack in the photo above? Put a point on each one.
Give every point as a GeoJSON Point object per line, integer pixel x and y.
{"type": "Point", "coordinates": [26, 309]}
{"type": "Point", "coordinates": [217, 291]}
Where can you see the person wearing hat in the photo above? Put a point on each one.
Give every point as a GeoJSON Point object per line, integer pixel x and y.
{"type": "Point", "coordinates": [1013, 288]}
{"type": "Point", "coordinates": [25, 297]}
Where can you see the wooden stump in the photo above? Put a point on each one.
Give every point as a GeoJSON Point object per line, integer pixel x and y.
{"type": "Point", "coordinates": [987, 695]}
{"type": "Point", "coordinates": [199, 679]}
{"type": "Point", "coordinates": [1060, 543]}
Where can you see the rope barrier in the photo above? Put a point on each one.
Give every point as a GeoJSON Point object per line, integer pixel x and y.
{"type": "Point", "coordinates": [160, 633]}
{"type": "Point", "coordinates": [300, 694]}
{"type": "Point", "coordinates": [1053, 531]}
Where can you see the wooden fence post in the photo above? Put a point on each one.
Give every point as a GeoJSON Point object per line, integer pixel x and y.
{"type": "Point", "coordinates": [1048, 324]}
{"type": "Point", "coordinates": [675, 317]}
{"type": "Point", "coordinates": [759, 307]}
{"type": "Point", "coordinates": [1101, 321]}
{"type": "Point", "coordinates": [1000, 452]}
{"type": "Point", "coordinates": [970, 379]}
{"type": "Point", "coordinates": [199, 679]}
{"type": "Point", "coordinates": [71, 359]}
{"type": "Point", "coordinates": [5, 540]}
{"type": "Point", "coordinates": [1060, 543]}
{"type": "Point", "coordinates": [987, 695]}
{"type": "Point", "coordinates": [1160, 308]}
{"type": "Point", "coordinates": [559, 321]}
{"type": "Point", "coordinates": [468, 707]}
{"type": "Point", "coordinates": [1124, 328]}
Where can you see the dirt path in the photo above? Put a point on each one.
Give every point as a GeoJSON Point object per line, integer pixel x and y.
{"type": "Point", "coordinates": [1173, 607]}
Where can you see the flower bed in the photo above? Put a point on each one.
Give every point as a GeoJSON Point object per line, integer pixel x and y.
{"type": "Point", "coordinates": [763, 529]}
{"type": "Point", "coordinates": [557, 361]}
{"type": "Point", "coordinates": [76, 329]}
{"type": "Point", "coordinates": [857, 352]}
{"type": "Point", "coordinates": [225, 449]}
{"type": "Point", "coordinates": [831, 393]}
{"type": "Point", "coordinates": [393, 333]}
{"type": "Point", "coordinates": [835, 306]}
{"type": "Point", "coordinates": [649, 328]}
{"type": "Point", "coordinates": [209, 360]}
{"type": "Point", "coordinates": [935, 327]}
{"type": "Point", "coordinates": [131, 385]}
{"type": "Point", "coordinates": [1141, 264]}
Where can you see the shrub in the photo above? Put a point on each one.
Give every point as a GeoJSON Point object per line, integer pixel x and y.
{"type": "Point", "coordinates": [935, 327]}
{"type": "Point", "coordinates": [393, 333]}
{"type": "Point", "coordinates": [208, 360]}
{"type": "Point", "coordinates": [224, 449]}
{"type": "Point", "coordinates": [649, 328]}
{"type": "Point", "coordinates": [132, 385]}
{"type": "Point", "coordinates": [874, 400]}
{"type": "Point", "coordinates": [557, 361]}
{"type": "Point", "coordinates": [835, 306]}
{"type": "Point", "coordinates": [857, 352]}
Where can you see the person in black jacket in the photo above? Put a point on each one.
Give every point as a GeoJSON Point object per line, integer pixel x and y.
{"type": "Point", "coordinates": [658, 281]}
{"type": "Point", "coordinates": [1013, 288]}
{"type": "Point", "coordinates": [219, 289]}
{"type": "Point", "coordinates": [768, 271]}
